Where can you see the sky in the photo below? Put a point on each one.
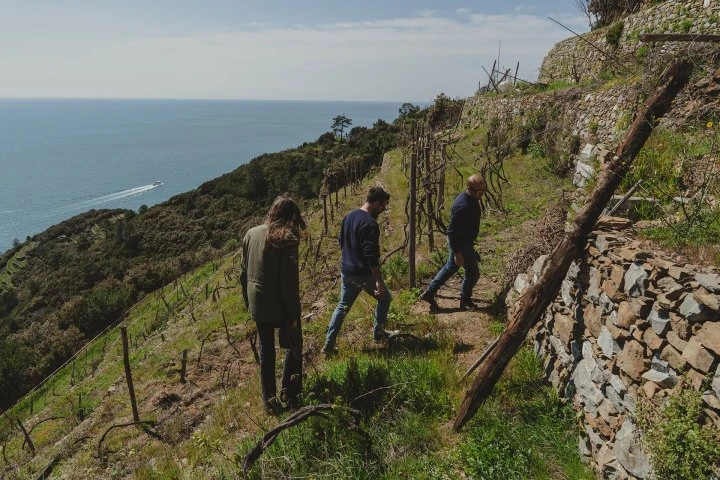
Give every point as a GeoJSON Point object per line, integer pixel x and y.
{"type": "Point", "coordinates": [361, 50]}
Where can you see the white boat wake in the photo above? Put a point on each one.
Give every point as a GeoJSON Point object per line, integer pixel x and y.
{"type": "Point", "coordinates": [117, 196]}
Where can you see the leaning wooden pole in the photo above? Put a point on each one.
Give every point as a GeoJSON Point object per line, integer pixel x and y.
{"type": "Point", "coordinates": [537, 298]}
{"type": "Point", "coordinates": [128, 373]}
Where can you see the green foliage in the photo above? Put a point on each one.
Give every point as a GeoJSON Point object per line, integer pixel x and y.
{"type": "Point", "coordinates": [701, 229]}
{"type": "Point", "coordinates": [523, 431]}
{"type": "Point", "coordinates": [685, 25]}
{"type": "Point", "coordinates": [444, 112]}
{"type": "Point", "coordinates": [395, 271]}
{"type": "Point", "coordinates": [593, 127]}
{"type": "Point", "coordinates": [613, 34]}
{"type": "Point", "coordinates": [642, 52]}
{"type": "Point", "coordinates": [681, 444]}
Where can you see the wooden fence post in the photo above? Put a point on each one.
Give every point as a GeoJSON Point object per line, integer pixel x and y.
{"type": "Point", "coordinates": [183, 366]}
{"type": "Point", "coordinates": [412, 227]}
{"type": "Point", "coordinates": [128, 373]}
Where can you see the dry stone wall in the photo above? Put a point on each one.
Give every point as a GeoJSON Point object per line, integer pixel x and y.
{"type": "Point", "coordinates": [578, 59]}
{"type": "Point", "coordinates": [627, 324]}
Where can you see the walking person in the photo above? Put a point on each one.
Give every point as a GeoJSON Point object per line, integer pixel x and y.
{"type": "Point", "coordinates": [461, 233]}
{"type": "Point", "coordinates": [271, 289]}
{"type": "Point", "coordinates": [360, 243]}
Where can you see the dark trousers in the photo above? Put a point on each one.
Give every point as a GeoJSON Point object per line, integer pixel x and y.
{"type": "Point", "coordinates": [291, 341]}
{"type": "Point", "coordinates": [472, 272]}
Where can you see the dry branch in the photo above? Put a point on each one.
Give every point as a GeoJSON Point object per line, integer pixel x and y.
{"type": "Point", "coordinates": [294, 419]}
{"type": "Point", "coordinates": [536, 299]}
{"type": "Point", "coordinates": [150, 423]}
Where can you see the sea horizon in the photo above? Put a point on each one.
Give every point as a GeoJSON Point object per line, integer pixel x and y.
{"type": "Point", "coordinates": [63, 156]}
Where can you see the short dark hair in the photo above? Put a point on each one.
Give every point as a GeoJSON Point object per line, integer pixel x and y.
{"type": "Point", "coordinates": [377, 194]}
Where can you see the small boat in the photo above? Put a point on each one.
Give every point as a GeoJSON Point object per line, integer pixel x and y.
{"type": "Point", "coordinates": [157, 183]}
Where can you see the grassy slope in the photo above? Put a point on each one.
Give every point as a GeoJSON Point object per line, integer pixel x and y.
{"type": "Point", "coordinates": [209, 423]}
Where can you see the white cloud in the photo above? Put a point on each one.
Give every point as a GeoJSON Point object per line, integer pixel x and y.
{"type": "Point", "coordinates": [399, 59]}
{"type": "Point", "coordinates": [462, 11]}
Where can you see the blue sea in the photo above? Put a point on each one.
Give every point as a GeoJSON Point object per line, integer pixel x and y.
{"type": "Point", "coordinates": [59, 158]}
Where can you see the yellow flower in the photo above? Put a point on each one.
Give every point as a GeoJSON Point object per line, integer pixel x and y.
{"type": "Point", "coordinates": [710, 124]}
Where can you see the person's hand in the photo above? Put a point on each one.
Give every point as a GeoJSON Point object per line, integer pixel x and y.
{"type": "Point", "coordinates": [459, 260]}
{"type": "Point", "coordinates": [380, 290]}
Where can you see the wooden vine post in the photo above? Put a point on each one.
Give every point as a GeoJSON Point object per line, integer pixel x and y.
{"type": "Point", "coordinates": [428, 198]}
{"type": "Point", "coordinates": [412, 227]}
{"type": "Point", "coordinates": [128, 373]}
{"type": "Point", "coordinates": [533, 303]}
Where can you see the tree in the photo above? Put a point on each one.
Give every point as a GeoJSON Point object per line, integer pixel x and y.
{"type": "Point", "coordinates": [340, 123]}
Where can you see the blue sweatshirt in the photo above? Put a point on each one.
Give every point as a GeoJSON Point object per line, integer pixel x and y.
{"type": "Point", "coordinates": [464, 221]}
{"type": "Point", "coordinates": [360, 243]}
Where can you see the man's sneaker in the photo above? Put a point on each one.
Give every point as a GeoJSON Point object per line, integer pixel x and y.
{"type": "Point", "coordinates": [429, 297]}
{"type": "Point", "coordinates": [385, 335]}
{"type": "Point", "coordinates": [468, 306]}
{"type": "Point", "coordinates": [329, 351]}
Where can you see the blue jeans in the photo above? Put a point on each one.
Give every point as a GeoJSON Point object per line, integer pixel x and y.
{"type": "Point", "coordinates": [351, 287]}
{"type": "Point", "coordinates": [472, 272]}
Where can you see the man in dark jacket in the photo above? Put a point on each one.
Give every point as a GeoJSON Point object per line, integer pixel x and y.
{"type": "Point", "coordinates": [461, 233]}
{"type": "Point", "coordinates": [360, 243]}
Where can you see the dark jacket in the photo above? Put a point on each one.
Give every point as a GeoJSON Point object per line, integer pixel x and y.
{"type": "Point", "coordinates": [464, 221]}
{"type": "Point", "coordinates": [360, 243]}
{"type": "Point", "coordinates": [269, 280]}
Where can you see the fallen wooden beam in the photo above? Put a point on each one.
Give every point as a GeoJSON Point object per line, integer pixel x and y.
{"type": "Point", "coordinates": [678, 37]}
{"type": "Point", "coordinates": [533, 303]}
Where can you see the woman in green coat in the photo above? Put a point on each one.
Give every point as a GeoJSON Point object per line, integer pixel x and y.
{"type": "Point", "coordinates": [271, 290]}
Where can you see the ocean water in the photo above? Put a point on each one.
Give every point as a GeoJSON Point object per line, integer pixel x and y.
{"type": "Point", "coordinates": [59, 158]}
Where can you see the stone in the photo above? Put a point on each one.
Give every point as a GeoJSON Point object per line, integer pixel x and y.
{"type": "Point", "coordinates": [560, 350]}
{"type": "Point", "coordinates": [625, 316]}
{"type": "Point", "coordinates": [679, 273]}
{"type": "Point", "coordinates": [586, 388]}
{"type": "Point", "coordinates": [573, 271]}
{"type": "Point", "coordinates": [593, 320]}
{"type": "Point", "coordinates": [566, 293]}
{"type": "Point", "coordinates": [650, 389]}
{"type": "Point", "coordinates": [716, 382]}
{"type": "Point", "coordinates": [617, 274]}
{"type": "Point", "coordinates": [659, 364]}
{"type": "Point", "coordinates": [711, 400]}
{"type": "Point", "coordinates": [709, 336]}
{"type": "Point", "coordinates": [695, 378]}
{"type": "Point", "coordinates": [668, 285]}
{"type": "Point", "coordinates": [593, 291]}
{"type": "Point", "coordinates": [673, 357]}
{"type": "Point", "coordinates": [641, 306]}
{"type": "Point", "coordinates": [636, 280]}
{"type": "Point", "coordinates": [606, 304]}
{"type": "Point", "coordinates": [632, 359]}
{"type": "Point", "coordinates": [576, 350]}
{"type": "Point", "coordinates": [619, 334]}
{"type": "Point", "coordinates": [694, 310]}
{"type": "Point", "coordinates": [564, 328]}
{"type": "Point", "coordinates": [587, 351]}
{"type": "Point", "coordinates": [652, 340]}
{"type": "Point", "coordinates": [629, 453]}
{"type": "Point", "coordinates": [674, 340]}
{"type": "Point", "coordinates": [617, 384]}
{"type": "Point", "coordinates": [584, 446]}
{"type": "Point", "coordinates": [583, 173]}
{"type": "Point", "coordinates": [666, 303]}
{"type": "Point", "coordinates": [659, 321]}
{"type": "Point", "coordinates": [607, 343]}
{"type": "Point", "coordinates": [698, 356]}
{"type": "Point", "coordinates": [538, 266]}
{"type": "Point", "coordinates": [522, 282]}
{"type": "Point", "coordinates": [709, 301]}
{"type": "Point", "coordinates": [664, 380]}
{"type": "Point", "coordinates": [710, 281]}
{"type": "Point", "coordinates": [680, 326]}
{"type": "Point", "coordinates": [612, 291]}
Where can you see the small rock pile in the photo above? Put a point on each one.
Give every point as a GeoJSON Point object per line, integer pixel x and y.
{"type": "Point", "coordinates": [627, 323]}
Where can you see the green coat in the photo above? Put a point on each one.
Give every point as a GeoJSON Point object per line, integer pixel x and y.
{"type": "Point", "coordinates": [270, 280]}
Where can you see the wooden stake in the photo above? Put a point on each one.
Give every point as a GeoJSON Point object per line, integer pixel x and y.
{"type": "Point", "coordinates": [183, 366]}
{"type": "Point", "coordinates": [535, 300]}
{"type": "Point", "coordinates": [412, 227]}
{"type": "Point", "coordinates": [128, 373]}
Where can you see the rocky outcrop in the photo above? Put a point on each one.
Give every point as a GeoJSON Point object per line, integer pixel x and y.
{"type": "Point", "coordinates": [628, 324]}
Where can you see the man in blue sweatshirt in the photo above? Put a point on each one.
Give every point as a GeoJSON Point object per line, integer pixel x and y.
{"type": "Point", "coordinates": [461, 233]}
{"type": "Point", "coordinates": [360, 243]}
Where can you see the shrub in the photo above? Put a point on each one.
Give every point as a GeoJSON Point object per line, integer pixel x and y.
{"type": "Point", "coordinates": [612, 37]}
{"type": "Point", "coordinates": [680, 444]}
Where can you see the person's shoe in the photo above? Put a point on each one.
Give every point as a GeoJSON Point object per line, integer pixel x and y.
{"type": "Point", "coordinates": [468, 306]}
{"type": "Point", "coordinates": [329, 351]}
{"type": "Point", "coordinates": [429, 297]}
{"type": "Point", "coordinates": [274, 406]}
{"type": "Point", "coordinates": [384, 335]}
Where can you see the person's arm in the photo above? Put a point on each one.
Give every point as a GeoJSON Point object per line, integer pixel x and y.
{"type": "Point", "coordinates": [457, 218]}
{"type": "Point", "coordinates": [243, 274]}
{"type": "Point", "coordinates": [290, 283]}
{"type": "Point", "coordinates": [370, 241]}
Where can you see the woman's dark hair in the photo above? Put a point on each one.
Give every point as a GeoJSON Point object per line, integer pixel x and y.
{"type": "Point", "coordinates": [284, 222]}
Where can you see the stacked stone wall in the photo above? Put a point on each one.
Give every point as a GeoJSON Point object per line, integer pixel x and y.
{"type": "Point", "coordinates": [628, 324]}
{"type": "Point", "coordinates": [577, 59]}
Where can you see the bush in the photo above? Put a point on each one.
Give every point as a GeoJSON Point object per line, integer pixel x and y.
{"type": "Point", "coordinates": [612, 37]}
{"type": "Point", "coordinates": [681, 445]}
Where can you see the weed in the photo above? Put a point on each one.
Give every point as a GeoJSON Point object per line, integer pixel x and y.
{"type": "Point", "coordinates": [681, 446]}
{"type": "Point", "coordinates": [612, 37]}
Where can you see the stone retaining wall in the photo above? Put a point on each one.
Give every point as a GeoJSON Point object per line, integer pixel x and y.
{"type": "Point", "coordinates": [576, 59]}
{"type": "Point", "coordinates": [627, 324]}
